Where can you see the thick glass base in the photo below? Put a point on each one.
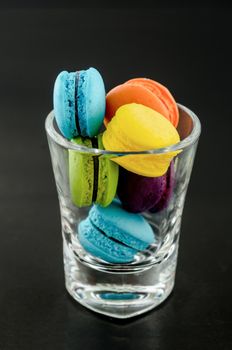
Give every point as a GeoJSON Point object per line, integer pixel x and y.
{"type": "Point", "coordinates": [119, 294]}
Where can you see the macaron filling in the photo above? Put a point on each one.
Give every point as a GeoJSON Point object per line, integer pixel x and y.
{"type": "Point", "coordinates": [76, 104]}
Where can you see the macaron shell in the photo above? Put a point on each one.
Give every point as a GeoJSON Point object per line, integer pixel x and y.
{"type": "Point", "coordinates": [81, 174]}
{"type": "Point", "coordinates": [91, 102]}
{"type": "Point", "coordinates": [64, 104]}
{"type": "Point", "coordinates": [136, 128]}
{"type": "Point", "coordinates": [163, 94]}
{"type": "Point", "coordinates": [130, 229]}
{"type": "Point", "coordinates": [132, 93]}
{"type": "Point", "coordinates": [107, 178]}
{"type": "Point", "coordinates": [150, 165]}
{"type": "Point", "coordinates": [167, 194]}
{"type": "Point", "coordinates": [139, 193]}
{"type": "Point", "coordinates": [101, 246]}
{"type": "Point", "coordinates": [81, 101]}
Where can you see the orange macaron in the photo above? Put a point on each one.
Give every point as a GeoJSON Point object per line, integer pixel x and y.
{"type": "Point", "coordinates": [143, 91]}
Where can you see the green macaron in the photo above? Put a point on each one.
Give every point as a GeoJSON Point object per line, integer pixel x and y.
{"type": "Point", "coordinates": [93, 178]}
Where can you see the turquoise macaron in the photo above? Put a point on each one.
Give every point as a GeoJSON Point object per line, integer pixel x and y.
{"type": "Point", "coordinates": [113, 234]}
{"type": "Point", "coordinates": [79, 102]}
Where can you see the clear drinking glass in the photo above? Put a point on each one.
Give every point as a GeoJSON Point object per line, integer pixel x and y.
{"type": "Point", "coordinates": [129, 289]}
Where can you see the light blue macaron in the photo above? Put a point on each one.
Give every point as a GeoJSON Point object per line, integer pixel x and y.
{"type": "Point", "coordinates": [113, 234]}
{"type": "Point", "coordinates": [98, 244]}
{"type": "Point", "coordinates": [79, 102]}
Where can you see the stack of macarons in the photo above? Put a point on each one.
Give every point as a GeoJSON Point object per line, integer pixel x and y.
{"type": "Point", "coordinates": [79, 107]}
{"type": "Point", "coordinates": [136, 116]}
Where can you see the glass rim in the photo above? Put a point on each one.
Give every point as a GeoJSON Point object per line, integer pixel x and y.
{"type": "Point", "coordinates": [188, 141]}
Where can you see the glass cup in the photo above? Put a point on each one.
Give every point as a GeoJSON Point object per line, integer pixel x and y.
{"type": "Point", "coordinates": [123, 290]}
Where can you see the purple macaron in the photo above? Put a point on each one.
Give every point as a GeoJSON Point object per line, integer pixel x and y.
{"type": "Point", "coordinates": [139, 193]}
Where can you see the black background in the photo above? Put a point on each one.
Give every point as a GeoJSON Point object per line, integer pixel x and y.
{"type": "Point", "coordinates": [187, 48]}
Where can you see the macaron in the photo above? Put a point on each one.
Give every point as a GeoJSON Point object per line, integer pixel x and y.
{"type": "Point", "coordinates": [79, 102]}
{"type": "Point", "coordinates": [113, 234]}
{"type": "Point", "coordinates": [92, 178]}
{"type": "Point", "coordinates": [144, 91]}
{"type": "Point", "coordinates": [167, 194]}
{"type": "Point", "coordinates": [136, 127]}
{"type": "Point", "coordinates": [139, 193]}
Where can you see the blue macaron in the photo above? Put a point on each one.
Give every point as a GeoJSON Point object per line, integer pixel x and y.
{"type": "Point", "coordinates": [79, 102]}
{"type": "Point", "coordinates": [113, 234]}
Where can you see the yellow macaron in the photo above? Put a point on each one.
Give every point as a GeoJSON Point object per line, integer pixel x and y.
{"type": "Point", "coordinates": [136, 127]}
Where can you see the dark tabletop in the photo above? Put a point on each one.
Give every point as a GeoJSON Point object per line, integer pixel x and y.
{"type": "Point", "coordinates": [187, 48]}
